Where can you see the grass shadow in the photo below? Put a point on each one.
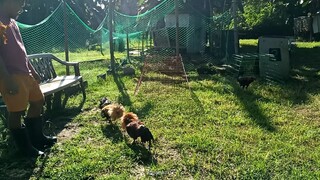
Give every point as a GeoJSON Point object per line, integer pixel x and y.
{"type": "Point", "coordinates": [304, 74]}
{"type": "Point", "coordinates": [14, 166]}
{"type": "Point", "coordinates": [248, 100]}
{"type": "Point", "coordinates": [141, 153]}
{"type": "Point", "coordinates": [125, 97]}
{"type": "Point", "coordinates": [144, 111]}
{"type": "Point", "coordinates": [195, 98]}
{"type": "Point", "coordinates": [112, 132]}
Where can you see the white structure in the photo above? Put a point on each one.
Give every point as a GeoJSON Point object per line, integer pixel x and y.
{"type": "Point", "coordinates": [277, 68]}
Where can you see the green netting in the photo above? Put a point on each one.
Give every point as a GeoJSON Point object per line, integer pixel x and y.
{"type": "Point", "coordinates": [152, 30]}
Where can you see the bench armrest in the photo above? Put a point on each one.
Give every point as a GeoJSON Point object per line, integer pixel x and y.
{"type": "Point", "coordinates": [68, 64]}
{"type": "Point", "coordinates": [52, 57]}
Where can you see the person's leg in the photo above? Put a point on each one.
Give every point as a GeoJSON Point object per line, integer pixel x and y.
{"type": "Point", "coordinates": [21, 136]}
{"type": "Point", "coordinates": [14, 121]}
{"type": "Point", "coordinates": [16, 105]}
{"type": "Point", "coordinates": [34, 120]}
{"type": "Point", "coordinates": [35, 108]}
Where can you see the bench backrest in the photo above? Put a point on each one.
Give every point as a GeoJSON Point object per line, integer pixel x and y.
{"type": "Point", "coordinates": [42, 63]}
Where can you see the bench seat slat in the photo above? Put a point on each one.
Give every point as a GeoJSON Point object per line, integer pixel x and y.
{"type": "Point", "coordinates": [59, 83]}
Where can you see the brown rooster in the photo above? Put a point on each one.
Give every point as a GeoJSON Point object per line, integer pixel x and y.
{"type": "Point", "coordinates": [135, 128]}
{"type": "Point", "coordinates": [245, 81]}
{"type": "Point", "coordinates": [112, 112]}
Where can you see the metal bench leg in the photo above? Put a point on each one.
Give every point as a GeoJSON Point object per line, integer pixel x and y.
{"type": "Point", "coordinates": [57, 100]}
{"type": "Point", "coordinates": [83, 89]}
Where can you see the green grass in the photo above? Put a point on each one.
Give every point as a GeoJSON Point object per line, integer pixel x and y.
{"type": "Point", "coordinates": [84, 55]}
{"type": "Point", "coordinates": [216, 131]}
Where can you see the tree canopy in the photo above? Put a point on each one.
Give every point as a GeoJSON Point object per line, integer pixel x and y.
{"type": "Point", "coordinates": [259, 15]}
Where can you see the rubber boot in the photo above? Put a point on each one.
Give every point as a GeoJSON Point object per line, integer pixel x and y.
{"type": "Point", "coordinates": [38, 139]}
{"type": "Point", "coordinates": [23, 143]}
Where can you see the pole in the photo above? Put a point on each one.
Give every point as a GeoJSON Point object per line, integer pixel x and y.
{"type": "Point", "coordinates": [235, 26]}
{"type": "Point", "coordinates": [66, 42]}
{"type": "Point", "coordinates": [128, 48]}
{"type": "Point", "coordinates": [176, 3]}
{"type": "Point", "coordinates": [142, 43]}
{"type": "Point", "coordinates": [111, 9]}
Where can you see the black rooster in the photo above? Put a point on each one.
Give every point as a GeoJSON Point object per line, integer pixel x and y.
{"type": "Point", "coordinates": [245, 81]}
{"type": "Point", "coordinates": [135, 128]}
{"type": "Point", "coordinates": [104, 102]}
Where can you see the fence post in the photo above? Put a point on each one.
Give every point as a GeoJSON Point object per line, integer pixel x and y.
{"type": "Point", "coordinates": [111, 11]}
{"type": "Point", "coordinates": [128, 47]}
{"type": "Point", "coordinates": [176, 2]}
{"type": "Point", "coordinates": [235, 26]}
{"type": "Point", "coordinates": [66, 43]}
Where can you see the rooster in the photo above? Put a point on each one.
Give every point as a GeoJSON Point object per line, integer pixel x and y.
{"type": "Point", "coordinates": [135, 128]}
{"type": "Point", "coordinates": [112, 112]}
{"type": "Point", "coordinates": [245, 81]}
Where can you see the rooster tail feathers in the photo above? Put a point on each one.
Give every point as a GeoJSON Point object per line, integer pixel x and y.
{"type": "Point", "coordinates": [114, 111]}
{"type": "Point", "coordinates": [145, 134]}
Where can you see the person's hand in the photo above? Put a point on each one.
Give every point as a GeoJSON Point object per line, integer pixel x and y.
{"type": "Point", "coordinates": [11, 86]}
{"type": "Point", "coordinates": [36, 77]}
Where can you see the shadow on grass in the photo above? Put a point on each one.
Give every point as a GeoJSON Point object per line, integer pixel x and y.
{"type": "Point", "coordinates": [125, 98]}
{"type": "Point", "coordinates": [144, 111]}
{"type": "Point", "coordinates": [248, 100]}
{"type": "Point", "coordinates": [141, 153]}
{"type": "Point", "coordinates": [14, 166]}
{"type": "Point", "coordinates": [195, 98]}
{"type": "Point", "coordinates": [112, 132]}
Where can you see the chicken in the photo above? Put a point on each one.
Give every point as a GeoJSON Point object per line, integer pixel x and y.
{"type": "Point", "coordinates": [128, 118]}
{"type": "Point", "coordinates": [245, 81]}
{"type": "Point", "coordinates": [112, 112]}
{"type": "Point", "coordinates": [207, 69]}
{"type": "Point", "coordinates": [135, 128]}
{"type": "Point", "coordinates": [145, 135]}
{"type": "Point", "coordinates": [103, 102]}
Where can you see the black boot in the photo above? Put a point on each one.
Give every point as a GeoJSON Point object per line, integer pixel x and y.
{"type": "Point", "coordinates": [38, 139]}
{"type": "Point", "coordinates": [23, 143]}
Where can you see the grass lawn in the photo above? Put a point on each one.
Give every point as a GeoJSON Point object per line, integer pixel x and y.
{"type": "Point", "coordinates": [216, 131]}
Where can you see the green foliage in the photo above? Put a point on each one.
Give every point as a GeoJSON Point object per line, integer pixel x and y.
{"type": "Point", "coordinates": [256, 15]}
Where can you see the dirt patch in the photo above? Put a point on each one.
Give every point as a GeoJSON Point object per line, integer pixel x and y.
{"type": "Point", "coordinates": [69, 131]}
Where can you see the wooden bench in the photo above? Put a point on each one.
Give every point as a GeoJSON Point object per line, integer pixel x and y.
{"type": "Point", "coordinates": [53, 85]}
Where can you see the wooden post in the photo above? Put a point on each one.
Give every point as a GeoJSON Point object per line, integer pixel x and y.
{"type": "Point", "coordinates": [176, 2]}
{"type": "Point", "coordinates": [66, 42]}
{"type": "Point", "coordinates": [128, 48]}
{"type": "Point", "coordinates": [111, 11]}
{"type": "Point", "coordinates": [235, 27]}
{"type": "Point", "coordinates": [142, 43]}
{"type": "Point", "coordinates": [210, 31]}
